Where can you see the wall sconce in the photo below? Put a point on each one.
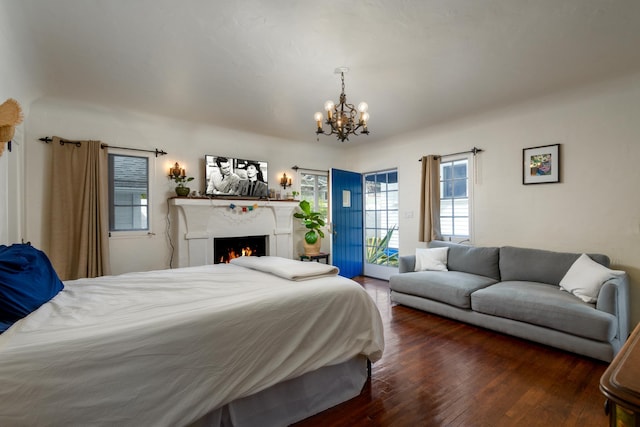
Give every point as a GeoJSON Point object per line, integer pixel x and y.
{"type": "Point", "coordinates": [176, 171]}
{"type": "Point", "coordinates": [285, 181]}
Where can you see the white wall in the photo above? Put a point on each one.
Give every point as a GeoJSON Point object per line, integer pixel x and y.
{"type": "Point", "coordinates": [186, 143]}
{"type": "Point", "coordinates": [596, 207]}
{"type": "Point", "coordinates": [18, 80]}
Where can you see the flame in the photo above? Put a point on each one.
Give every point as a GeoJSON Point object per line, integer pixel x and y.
{"type": "Point", "coordinates": [231, 254]}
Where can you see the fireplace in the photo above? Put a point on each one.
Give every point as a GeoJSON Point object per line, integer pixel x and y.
{"type": "Point", "coordinates": [196, 223]}
{"type": "Point", "coordinates": [227, 248]}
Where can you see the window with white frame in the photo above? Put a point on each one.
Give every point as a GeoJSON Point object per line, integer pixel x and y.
{"type": "Point", "coordinates": [128, 193]}
{"type": "Point", "coordinates": [314, 188]}
{"type": "Point", "coordinates": [455, 198]}
{"type": "Point", "coordinates": [381, 218]}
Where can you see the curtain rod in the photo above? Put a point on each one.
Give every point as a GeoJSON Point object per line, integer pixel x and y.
{"type": "Point", "coordinates": [474, 150]}
{"type": "Point", "coordinates": [103, 145]}
{"type": "Point", "coordinates": [296, 167]}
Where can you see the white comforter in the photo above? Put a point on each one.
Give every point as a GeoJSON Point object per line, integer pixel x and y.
{"type": "Point", "coordinates": [166, 347]}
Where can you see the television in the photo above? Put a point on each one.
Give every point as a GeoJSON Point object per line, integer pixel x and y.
{"type": "Point", "coordinates": [232, 177]}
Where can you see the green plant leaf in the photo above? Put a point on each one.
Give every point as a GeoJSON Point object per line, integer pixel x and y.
{"type": "Point", "coordinates": [306, 207]}
{"type": "Point", "coordinates": [311, 237]}
{"type": "Point", "coordinates": [377, 249]}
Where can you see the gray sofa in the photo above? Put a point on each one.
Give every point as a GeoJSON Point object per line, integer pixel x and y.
{"type": "Point", "coordinates": [516, 291]}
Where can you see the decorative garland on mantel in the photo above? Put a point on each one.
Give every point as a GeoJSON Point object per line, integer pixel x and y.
{"type": "Point", "coordinates": [244, 208]}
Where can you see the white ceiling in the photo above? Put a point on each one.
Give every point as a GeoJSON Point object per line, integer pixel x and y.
{"type": "Point", "coordinates": [267, 66]}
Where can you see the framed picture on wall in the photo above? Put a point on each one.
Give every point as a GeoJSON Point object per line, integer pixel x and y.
{"type": "Point", "coordinates": [227, 176]}
{"type": "Point", "coordinates": [541, 165]}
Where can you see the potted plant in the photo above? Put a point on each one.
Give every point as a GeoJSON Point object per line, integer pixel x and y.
{"type": "Point", "coordinates": [182, 190]}
{"type": "Point", "coordinates": [313, 222]}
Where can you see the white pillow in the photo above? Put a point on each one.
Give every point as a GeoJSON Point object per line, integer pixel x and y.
{"type": "Point", "coordinates": [585, 278]}
{"type": "Point", "coordinates": [431, 259]}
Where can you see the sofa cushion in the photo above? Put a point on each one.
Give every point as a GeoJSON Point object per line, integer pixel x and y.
{"type": "Point", "coordinates": [537, 265]}
{"type": "Point", "coordinates": [585, 278]}
{"type": "Point", "coordinates": [450, 287]}
{"type": "Point", "coordinates": [406, 263]}
{"type": "Point", "coordinates": [470, 259]}
{"type": "Point", "coordinates": [431, 259]}
{"type": "Point", "coordinates": [544, 305]}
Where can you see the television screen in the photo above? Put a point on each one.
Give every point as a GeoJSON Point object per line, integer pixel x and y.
{"type": "Point", "coordinates": [227, 176]}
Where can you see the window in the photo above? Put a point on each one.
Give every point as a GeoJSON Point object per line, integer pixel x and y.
{"type": "Point", "coordinates": [314, 189]}
{"type": "Point", "coordinates": [455, 199]}
{"type": "Point", "coordinates": [128, 193]}
{"type": "Point", "coordinates": [381, 218]}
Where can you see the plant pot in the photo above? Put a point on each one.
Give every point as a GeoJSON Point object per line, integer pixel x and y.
{"type": "Point", "coordinates": [183, 191]}
{"type": "Point", "coordinates": [312, 249]}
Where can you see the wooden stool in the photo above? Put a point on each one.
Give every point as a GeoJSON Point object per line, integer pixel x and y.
{"type": "Point", "coordinates": [316, 258]}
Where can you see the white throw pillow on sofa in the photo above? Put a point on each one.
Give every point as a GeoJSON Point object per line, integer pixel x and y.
{"type": "Point", "coordinates": [431, 259]}
{"type": "Point", "coordinates": [585, 278]}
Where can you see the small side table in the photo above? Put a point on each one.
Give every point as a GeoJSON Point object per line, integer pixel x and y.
{"type": "Point", "coordinates": [316, 258]}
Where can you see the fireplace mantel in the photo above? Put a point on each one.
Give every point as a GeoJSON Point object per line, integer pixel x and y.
{"type": "Point", "coordinates": [196, 222]}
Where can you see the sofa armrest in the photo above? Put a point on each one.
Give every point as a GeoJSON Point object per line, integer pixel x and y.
{"type": "Point", "coordinates": [406, 263]}
{"type": "Point", "coordinates": [614, 299]}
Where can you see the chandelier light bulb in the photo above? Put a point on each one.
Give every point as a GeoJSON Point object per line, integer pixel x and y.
{"type": "Point", "coordinates": [363, 107]}
{"type": "Point", "coordinates": [365, 117]}
{"type": "Point", "coordinates": [329, 105]}
{"type": "Point", "coordinates": [318, 117]}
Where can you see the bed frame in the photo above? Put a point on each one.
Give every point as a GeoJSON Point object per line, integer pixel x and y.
{"type": "Point", "coordinates": [294, 400]}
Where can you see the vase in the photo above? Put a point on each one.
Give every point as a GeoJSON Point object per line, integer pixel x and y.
{"type": "Point", "coordinates": [312, 249]}
{"type": "Point", "coordinates": [183, 191]}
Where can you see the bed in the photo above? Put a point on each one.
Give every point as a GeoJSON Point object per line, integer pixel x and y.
{"type": "Point", "coordinates": [261, 341]}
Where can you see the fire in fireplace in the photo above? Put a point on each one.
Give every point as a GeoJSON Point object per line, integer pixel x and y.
{"type": "Point", "coordinates": [227, 248]}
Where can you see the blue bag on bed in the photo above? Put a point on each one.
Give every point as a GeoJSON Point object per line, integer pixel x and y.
{"type": "Point", "coordinates": [27, 280]}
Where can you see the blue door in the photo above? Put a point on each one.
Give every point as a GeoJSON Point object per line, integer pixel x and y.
{"type": "Point", "coordinates": [346, 222]}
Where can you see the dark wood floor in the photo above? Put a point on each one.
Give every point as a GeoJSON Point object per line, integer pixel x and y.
{"type": "Point", "coordinates": [439, 372]}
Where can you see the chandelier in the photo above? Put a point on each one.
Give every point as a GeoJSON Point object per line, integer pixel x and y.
{"type": "Point", "coordinates": [343, 119]}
